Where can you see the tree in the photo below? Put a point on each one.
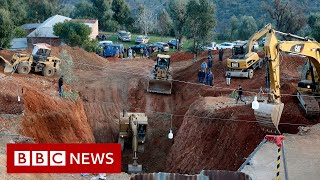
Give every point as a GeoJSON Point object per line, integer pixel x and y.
{"type": "Point", "coordinates": [177, 11]}
{"type": "Point", "coordinates": [18, 8]}
{"type": "Point", "coordinates": [121, 11]}
{"type": "Point", "coordinates": [72, 33]}
{"type": "Point", "coordinates": [164, 23]}
{"type": "Point", "coordinates": [234, 27]}
{"type": "Point", "coordinates": [6, 28]}
{"type": "Point", "coordinates": [288, 18]}
{"type": "Point", "coordinates": [146, 20]}
{"type": "Point", "coordinates": [39, 11]}
{"type": "Point", "coordinates": [84, 9]}
{"type": "Point", "coordinates": [200, 21]}
{"type": "Point", "coordinates": [247, 27]}
{"type": "Point", "coordinates": [19, 32]}
{"type": "Point", "coordinates": [314, 23]}
{"type": "Point", "coordinates": [103, 12]}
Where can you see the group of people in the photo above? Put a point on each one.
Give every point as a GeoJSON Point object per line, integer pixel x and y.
{"type": "Point", "coordinates": [205, 74]}
{"type": "Point", "coordinates": [130, 54]}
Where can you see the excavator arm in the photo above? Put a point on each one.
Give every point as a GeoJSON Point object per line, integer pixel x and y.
{"type": "Point", "coordinates": [257, 36]}
{"type": "Point", "coordinates": [269, 113]}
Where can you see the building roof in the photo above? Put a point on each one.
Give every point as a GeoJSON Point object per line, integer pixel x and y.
{"type": "Point", "coordinates": [18, 44]}
{"type": "Point", "coordinates": [31, 26]}
{"type": "Point", "coordinates": [89, 21]}
{"type": "Point", "coordinates": [46, 28]}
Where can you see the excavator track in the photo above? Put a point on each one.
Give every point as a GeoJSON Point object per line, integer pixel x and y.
{"type": "Point", "coordinates": [309, 104]}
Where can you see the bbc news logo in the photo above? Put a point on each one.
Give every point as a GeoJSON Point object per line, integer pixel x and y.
{"type": "Point", "coordinates": [63, 158]}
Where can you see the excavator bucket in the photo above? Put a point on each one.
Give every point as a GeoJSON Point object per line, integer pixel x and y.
{"type": "Point", "coordinates": [268, 116]}
{"type": "Point", "coordinates": [134, 168]}
{"type": "Point", "coordinates": [160, 86]}
{"type": "Point", "coordinates": [8, 68]}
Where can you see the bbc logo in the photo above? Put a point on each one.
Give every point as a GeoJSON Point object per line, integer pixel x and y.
{"type": "Point", "coordinates": [63, 158]}
{"type": "Point", "coordinates": [39, 158]}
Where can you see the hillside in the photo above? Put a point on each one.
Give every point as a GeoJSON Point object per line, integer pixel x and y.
{"type": "Point", "coordinates": [225, 9]}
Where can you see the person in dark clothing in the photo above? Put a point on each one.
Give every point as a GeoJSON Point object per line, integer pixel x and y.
{"type": "Point", "coordinates": [210, 53]}
{"type": "Point", "coordinates": [141, 53]}
{"type": "Point", "coordinates": [61, 86]}
{"type": "Point", "coordinates": [240, 95]}
{"type": "Point", "coordinates": [209, 78]}
{"type": "Point", "coordinates": [124, 52]}
{"type": "Point", "coordinates": [145, 53]}
{"type": "Point", "coordinates": [203, 75]}
{"type": "Point", "coordinates": [209, 63]}
{"type": "Point", "coordinates": [150, 51]}
{"type": "Point", "coordinates": [220, 55]}
{"type": "Point", "coordinates": [199, 76]}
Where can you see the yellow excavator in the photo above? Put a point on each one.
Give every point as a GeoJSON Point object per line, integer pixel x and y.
{"type": "Point", "coordinates": [160, 77]}
{"type": "Point", "coordinates": [133, 130]}
{"type": "Point", "coordinates": [39, 60]}
{"type": "Point", "coordinates": [269, 112]}
{"type": "Point", "coordinates": [244, 61]}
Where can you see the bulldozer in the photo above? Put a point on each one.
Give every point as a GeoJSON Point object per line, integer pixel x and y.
{"type": "Point", "coordinates": [133, 130]}
{"type": "Point", "coordinates": [38, 61]}
{"type": "Point", "coordinates": [160, 77]}
{"type": "Point", "coordinates": [308, 90]}
{"type": "Point", "coordinates": [244, 61]}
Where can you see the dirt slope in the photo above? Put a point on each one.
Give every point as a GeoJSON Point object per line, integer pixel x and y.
{"type": "Point", "coordinates": [199, 142]}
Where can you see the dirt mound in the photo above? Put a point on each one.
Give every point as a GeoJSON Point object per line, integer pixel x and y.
{"type": "Point", "coordinates": [81, 58]}
{"type": "Point", "coordinates": [9, 98]}
{"type": "Point", "coordinates": [214, 141]}
{"type": "Point", "coordinates": [58, 120]}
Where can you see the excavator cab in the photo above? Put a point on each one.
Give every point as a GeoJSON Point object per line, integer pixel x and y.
{"type": "Point", "coordinates": [160, 78]}
{"type": "Point", "coordinates": [238, 52]}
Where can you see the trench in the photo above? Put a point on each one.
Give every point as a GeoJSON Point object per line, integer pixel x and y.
{"type": "Point", "coordinates": [198, 143]}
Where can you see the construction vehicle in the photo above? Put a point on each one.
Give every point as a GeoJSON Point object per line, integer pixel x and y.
{"type": "Point", "coordinates": [269, 112]}
{"type": "Point", "coordinates": [244, 61]}
{"type": "Point", "coordinates": [133, 130]}
{"type": "Point", "coordinates": [160, 78]}
{"type": "Point", "coordinates": [38, 61]}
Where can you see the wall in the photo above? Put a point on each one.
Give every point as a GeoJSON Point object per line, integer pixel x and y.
{"type": "Point", "coordinates": [51, 41]}
{"type": "Point", "coordinates": [95, 30]}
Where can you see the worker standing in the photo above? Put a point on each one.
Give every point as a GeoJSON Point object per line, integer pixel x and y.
{"type": "Point", "coordinates": [130, 53]}
{"type": "Point", "coordinates": [220, 55]}
{"type": "Point", "coordinates": [210, 78]}
{"type": "Point", "coordinates": [141, 53]}
{"type": "Point", "coordinates": [199, 76]}
{"type": "Point", "coordinates": [228, 78]}
{"type": "Point", "coordinates": [117, 53]}
{"type": "Point", "coordinates": [145, 53]}
{"type": "Point", "coordinates": [61, 86]}
{"type": "Point", "coordinates": [209, 63]}
{"type": "Point", "coordinates": [203, 75]}
{"type": "Point", "coordinates": [210, 53]}
{"type": "Point", "coordinates": [240, 95]}
{"type": "Point", "coordinates": [124, 52]}
{"type": "Point", "coordinates": [204, 67]}
{"type": "Point", "coordinates": [150, 51]}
